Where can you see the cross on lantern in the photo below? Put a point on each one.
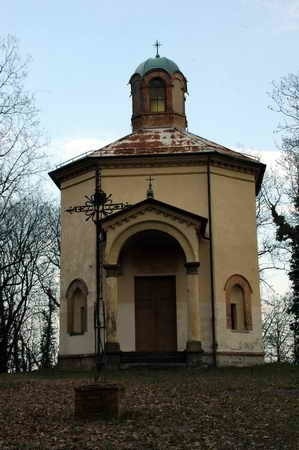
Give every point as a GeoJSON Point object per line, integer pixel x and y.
{"type": "Point", "coordinates": [157, 44]}
{"type": "Point", "coordinates": [96, 207]}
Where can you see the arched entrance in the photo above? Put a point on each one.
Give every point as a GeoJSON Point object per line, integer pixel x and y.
{"type": "Point", "coordinates": [151, 260]}
{"type": "Point", "coordinates": [152, 265]}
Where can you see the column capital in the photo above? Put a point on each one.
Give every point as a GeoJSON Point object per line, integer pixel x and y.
{"type": "Point", "coordinates": [192, 267]}
{"type": "Point", "coordinates": [112, 270]}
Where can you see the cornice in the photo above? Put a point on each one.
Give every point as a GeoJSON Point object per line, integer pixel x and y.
{"type": "Point", "coordinates": [158, 211]}
{"type": "Point", "coordinates": [89, 163]}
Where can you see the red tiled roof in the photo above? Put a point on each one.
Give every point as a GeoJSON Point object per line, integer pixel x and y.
{"type": "Point", "coordinates": [163, 140]}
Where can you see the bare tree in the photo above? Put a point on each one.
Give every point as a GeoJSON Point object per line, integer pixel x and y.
{"type": "Point", "coordinates": [285, 96]}
{"type": "Point", "coordinates": [20, 136]}
{"type": "Point", "coordinates": [272, 255]}
{"type": "Point", "coordinates": [48, 337]}
{"type": "Point", "coordinates": [277, 335]}
{"type": "Point", "coordinates": [29, 227]}
{"type": "Point", "coordinates": [26, 273]}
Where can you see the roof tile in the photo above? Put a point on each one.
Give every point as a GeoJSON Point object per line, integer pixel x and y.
{"type": "Point", "coordinates": [163, 140]}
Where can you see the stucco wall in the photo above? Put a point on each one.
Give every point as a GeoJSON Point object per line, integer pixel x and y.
{"type": "Point", "coordinates": [77, 261]}
{"type": "Point", "coordinates": [235, 252]}
{"type": "Point", "coordinates": [233, 209]}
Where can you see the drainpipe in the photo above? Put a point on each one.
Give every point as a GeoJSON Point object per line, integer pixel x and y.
{"type": "Point", "coordinates": [214, 343]}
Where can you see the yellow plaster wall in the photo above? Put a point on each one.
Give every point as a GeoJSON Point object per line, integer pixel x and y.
{"type": "Point", "coordinates": [184, 187]}
{"type": "Point", "coordinates": [77, 261]}
{"type": "Point", "coordinates": [233, 203]}
{"type": "Point", "coordinates": [235, 252]}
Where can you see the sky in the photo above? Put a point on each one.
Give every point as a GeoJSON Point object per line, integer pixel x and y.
{"type": "Point", "coordinates": [84, 52]}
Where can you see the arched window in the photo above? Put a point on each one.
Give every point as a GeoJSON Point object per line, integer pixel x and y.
{"type": "Point", "coordinates": [237, 308]}
{"type": "Point", "coordinates": [77, 307]}
{"type": "Point", "coordinates": [238, 303]}
{"type": "Point", "coordinates": [157, 95]}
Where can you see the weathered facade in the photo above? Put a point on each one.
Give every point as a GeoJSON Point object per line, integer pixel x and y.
{"type": "Point", "coordinates": [180, 263]}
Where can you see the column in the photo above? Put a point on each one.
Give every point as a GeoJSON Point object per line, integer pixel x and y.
{"type": "Point", "coordinates": [194, 337]}
{"type": "Point", "coordinates": [111, 306]}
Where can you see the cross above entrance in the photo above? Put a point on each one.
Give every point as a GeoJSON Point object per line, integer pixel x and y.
{"type": "Point", "coordinates": [150, 191]}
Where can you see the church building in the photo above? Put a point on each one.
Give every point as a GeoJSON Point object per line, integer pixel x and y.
{"type": "Point", "coordinates": [178, 253]}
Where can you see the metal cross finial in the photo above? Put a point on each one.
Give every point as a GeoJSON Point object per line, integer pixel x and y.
{"type": "Point", "coordinates": [150, 192]}
{"type": "Point", "coordinates": [157, 44]}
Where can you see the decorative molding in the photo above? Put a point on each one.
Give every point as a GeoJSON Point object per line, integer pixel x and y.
{"type": "Point", "coordinates": [192, 268]}
{"type": "Point", "coordinates": [179, 159]}
{"type": "Point", "coordinates": [158, 211]}
{"type": "Point", "coordinates": [112, 270]}
{"type": "Point", "coordinates": [194, 346]}
{"type": "Point", "coordinates": [159, 165]}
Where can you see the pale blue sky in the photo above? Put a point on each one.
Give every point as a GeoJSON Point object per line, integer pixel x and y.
{"type": "Point", "coordinates": [85, 51]}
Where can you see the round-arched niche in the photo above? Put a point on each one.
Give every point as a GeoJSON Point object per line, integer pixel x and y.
{"type": "Point", "coordinates": [152, 252]}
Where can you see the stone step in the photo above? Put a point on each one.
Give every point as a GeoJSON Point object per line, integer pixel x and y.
{"type": "Point", "coordinates": [151, 365]}
{"type": "Point", "coordinates": [153, 358]}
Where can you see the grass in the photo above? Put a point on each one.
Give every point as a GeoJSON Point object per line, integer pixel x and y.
{"type": "Point", "coordinates": [229, 408]}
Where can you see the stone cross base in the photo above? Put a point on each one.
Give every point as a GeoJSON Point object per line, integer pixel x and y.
{"type": "Point", "coordinates": [98, 400]}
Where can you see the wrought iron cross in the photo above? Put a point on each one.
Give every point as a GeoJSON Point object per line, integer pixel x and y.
{"type": "Point", "coordinates": [157, 44]}
{"type": "Point", "coordinates": [96, 207]}
{"type": "Point", "coordinates": [99, 204]}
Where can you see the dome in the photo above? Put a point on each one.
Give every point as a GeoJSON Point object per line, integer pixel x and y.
{"type": "Point", "coordinates": [157, 63]}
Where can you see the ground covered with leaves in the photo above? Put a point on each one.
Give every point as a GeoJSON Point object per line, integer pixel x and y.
{"type": "Point", "coordinates": [164, 409]}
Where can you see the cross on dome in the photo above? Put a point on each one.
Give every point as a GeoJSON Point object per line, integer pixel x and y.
{"type": "Point", "coordinates": [157, 44]}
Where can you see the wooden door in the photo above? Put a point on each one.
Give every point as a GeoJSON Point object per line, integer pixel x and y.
{"type": "Point", "coordinates": [155, 314]}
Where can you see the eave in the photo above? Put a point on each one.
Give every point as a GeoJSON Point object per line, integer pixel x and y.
{"type": "Point", "coordinates": [87, 163]}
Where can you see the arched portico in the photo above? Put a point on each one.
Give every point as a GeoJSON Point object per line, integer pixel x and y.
{"type": "Point", "coordinates": [152, 284]}
{"type": "Point", "coordinates": [113, 250]}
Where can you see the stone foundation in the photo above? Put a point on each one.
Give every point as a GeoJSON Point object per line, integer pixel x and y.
{"type": "Point", "coordinates": [239, 359]}
{"type": "Point", "coordinates": [193, 359]}
{"type": "Point", "coordinates": [81, 361]}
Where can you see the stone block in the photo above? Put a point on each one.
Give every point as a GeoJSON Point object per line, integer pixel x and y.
{"type": "Point", "coordinates": [99, 400]}
{"type": "Point", "coordinates": [194, 347]}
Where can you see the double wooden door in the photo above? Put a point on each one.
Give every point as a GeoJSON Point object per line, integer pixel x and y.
{"type": "Point", "coordinates": [155, 314]}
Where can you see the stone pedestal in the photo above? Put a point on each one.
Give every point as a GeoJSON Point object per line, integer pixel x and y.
{"type": "Point", "coordinates": [194, 354]}
{"type": "Point", "coordinates": [112, 355]}
{"type": "Point", "coordinates": [98, 400]}
{"type": "Point", "coordinates": [193, 348]}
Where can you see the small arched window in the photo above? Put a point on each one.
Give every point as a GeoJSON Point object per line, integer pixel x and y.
{"type": "Point", "coordinates": [77, 307]}
{"type": "Point", "coordinates": [238, 303]}
{"type": "Point", "coordinates": [237, 309]}
{"type": "Point", "coordinates": [157, 95]}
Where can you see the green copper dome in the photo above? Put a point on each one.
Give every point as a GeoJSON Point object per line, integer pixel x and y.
{"type": "Point", "coordinates": [157, 63]}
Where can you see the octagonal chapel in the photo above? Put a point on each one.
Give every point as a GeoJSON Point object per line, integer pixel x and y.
{"type": "Point", "coordinates": [178, 255]}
